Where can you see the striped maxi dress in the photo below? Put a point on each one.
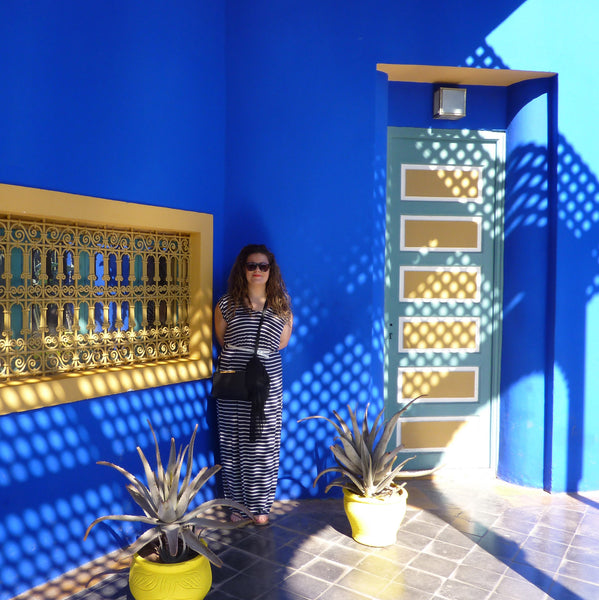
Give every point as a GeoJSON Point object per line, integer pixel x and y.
{"type": "Point", "coordinates": [250, 469]}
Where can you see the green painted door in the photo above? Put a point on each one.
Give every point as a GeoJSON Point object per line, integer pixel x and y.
{"type": "Point", "coordinates": [443, 289]}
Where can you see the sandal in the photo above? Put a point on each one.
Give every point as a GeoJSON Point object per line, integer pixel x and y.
{"type": "Point", "coordinates": [261, 520]}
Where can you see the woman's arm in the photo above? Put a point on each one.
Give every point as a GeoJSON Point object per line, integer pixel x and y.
{"type": "Point", "coordinates": [220, 326]}
{"type": "Point", "coordinates": [286, 334]}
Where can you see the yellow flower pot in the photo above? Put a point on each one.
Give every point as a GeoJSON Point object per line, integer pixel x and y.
{"type": "Point", "coordinates": [375, 521]}
{"type": "Point", "coordinates": [189, 580]}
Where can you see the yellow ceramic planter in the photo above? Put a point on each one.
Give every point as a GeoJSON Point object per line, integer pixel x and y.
{"type": "Point", "coordinates": [189, 580]}
{"type": "Point", "coordinates": [375, 521]}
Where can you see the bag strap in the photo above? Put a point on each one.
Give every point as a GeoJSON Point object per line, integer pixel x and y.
{"type": "Point", "coordinates": [258, 332]}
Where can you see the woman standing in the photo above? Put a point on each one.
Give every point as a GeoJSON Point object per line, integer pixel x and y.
{"type": "Point", "coordinates": [250, 467]}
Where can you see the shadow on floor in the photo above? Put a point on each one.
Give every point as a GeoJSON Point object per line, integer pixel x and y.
{"type": "Point", "coordinates": [472, 539]}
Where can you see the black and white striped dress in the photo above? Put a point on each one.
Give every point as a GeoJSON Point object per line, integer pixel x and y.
{"type": "Point", "coordinates": [250, 469]}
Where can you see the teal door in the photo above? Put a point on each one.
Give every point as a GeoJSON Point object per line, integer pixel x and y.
{"type": "Point", "coordinates": [443, 288]}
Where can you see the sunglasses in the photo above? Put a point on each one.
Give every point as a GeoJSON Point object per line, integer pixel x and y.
{"type": "Point", "coordinates": [252, 266]}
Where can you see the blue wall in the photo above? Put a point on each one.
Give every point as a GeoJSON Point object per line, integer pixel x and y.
{"type": "Point", "coordinates": [119, 100]}
{"type": "Point", "coordinates": [526, 421]}
{"type": "Point", "coordinates": [271, 116]}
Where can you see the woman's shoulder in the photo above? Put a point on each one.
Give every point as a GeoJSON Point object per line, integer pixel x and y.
{"type": "Point", "coordinates": [224, 300]}
{"type": "Point", "coordinates": [228, 307]}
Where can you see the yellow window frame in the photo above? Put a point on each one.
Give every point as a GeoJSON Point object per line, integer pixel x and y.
{"type": "Point", "coordinates": [28, 394]}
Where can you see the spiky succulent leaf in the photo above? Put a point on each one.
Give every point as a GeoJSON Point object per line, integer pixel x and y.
{"type": "Point", "coordinates": [346, 475]}
{"type": "Point", "coordinates": [337, 427]}
{"type": "Point", "coordinates": [403, 409]}
{"type": "Point", "coordinates": [388, 431]}
{"type": "Point", "coordinates": [386, 481]}
{"type": "Point", "coordinates": [344, 428]}
{"type": "Point", "coordinates": [386, 461]}
{"type": "Point", "coordinates": [350, 451]}
{"type": "Point", "coordinates": [198, 546]}
{"type": "Point", "coordinates": [346, 484]}
{"type": "Point", "coordinates": [151, 536]}
{"type": "Point", "coordinates": [373, 433]}
{"type": "Point", "coordinates": [210, 504]}
{"type": "Point", "coordinates": [189, 469]}
{"type": "Point", "coordinates": [171, 533]}
{"type": "Point", "coordinates": [357, 436]}
{"type": "Point", "coordinates": [173, 460]}
{"type": "Point", "coordinates": [159, 468]}
{"type": "Point", "coordinates": [134, 480]}
{"type": "Point", "coordinates": [169, 506]}
{"type": "Point", "coordinates": [363, 462]}
{"type": "Point", "coordinates": [365, 428]}
{"type": "Point", "coordinates": [131, 518]}
{"type": "Point", "coordinates": [153, 485]}
{"type": "Point", "coordinates": [189, 493]}
{"type": "Point", "coordinates": [344, 461]}
{"type": "Point", "coordinates": [142, 500]}
{"type": "Point", "coordinates": [166, 500]}
{"type": "Point", "coordinates": [367, 475]}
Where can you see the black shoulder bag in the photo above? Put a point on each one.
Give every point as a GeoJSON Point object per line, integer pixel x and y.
{"type": "Point", "coordinates": [251, 385]}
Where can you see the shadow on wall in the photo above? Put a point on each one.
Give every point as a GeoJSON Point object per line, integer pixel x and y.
{"type": "Point", "coordinates": [345, 372]}
{"type": "Point", "coordinates": [52, 489]}
{"type": "Point", "coordinates": [525, 303]}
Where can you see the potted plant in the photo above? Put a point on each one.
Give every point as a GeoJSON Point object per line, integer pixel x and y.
{"type": "Point", "coordinates": [374, 495]}
{"type": "Point", "coordinates": [170, 559]}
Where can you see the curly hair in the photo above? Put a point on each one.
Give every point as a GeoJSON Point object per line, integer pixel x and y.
{"type": "Point", "coordinates": [277, 296]}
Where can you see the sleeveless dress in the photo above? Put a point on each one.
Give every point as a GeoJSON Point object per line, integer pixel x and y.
{"type": "Point", "coordinates": [250, 469]}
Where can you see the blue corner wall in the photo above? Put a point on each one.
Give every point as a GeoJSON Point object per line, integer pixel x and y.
{"type": "Point", "coordinates": [272, 116]}
{"type": "Point", "coordinates": [529, 285]}
{"type": "Point", "coordinates": [126, 101]}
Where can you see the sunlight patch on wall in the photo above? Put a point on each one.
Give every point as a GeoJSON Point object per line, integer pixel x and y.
{"type": "Point", "coordinates": [565, 42]}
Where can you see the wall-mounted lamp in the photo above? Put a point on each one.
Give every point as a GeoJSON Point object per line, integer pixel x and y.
{"type": "Point", "coordinates": [449, 103]}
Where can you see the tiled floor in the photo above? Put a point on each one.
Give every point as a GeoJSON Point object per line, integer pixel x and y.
{"type": "Point", "coordinates": [463, 538]}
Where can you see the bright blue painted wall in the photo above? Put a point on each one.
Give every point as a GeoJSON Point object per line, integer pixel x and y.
{"type": "Point", "coordinates": [527, 316]}
{"type": "Point", "coordinates": [115, 99]}
{"type": "Point", "coordinates": [270, 115]}
{"type": "Point", "coordinates": [411, 105]}
{"type": "Point", "coordinates": [120, 100]}
{"type": "Point", "coordinates": [52, 488]}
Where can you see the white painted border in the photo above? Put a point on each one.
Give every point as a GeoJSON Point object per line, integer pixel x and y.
{"type": "Point", "coordinates": [426, 250]}
{"type": "Point", "coordinates": [413, 167]}
{"type": "Point", "coordinates": [403, 320]}
{"type": "Point", "coordinates": [439, 269]}
{"type": "Point", "coordinates": [402, 400]}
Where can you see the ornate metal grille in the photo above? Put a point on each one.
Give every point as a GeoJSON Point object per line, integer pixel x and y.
{"type": "Point", "coordinates": [75, 297]}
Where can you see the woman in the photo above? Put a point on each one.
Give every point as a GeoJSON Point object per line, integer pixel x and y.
{"type": "Point", "coordinates": [250, 467]}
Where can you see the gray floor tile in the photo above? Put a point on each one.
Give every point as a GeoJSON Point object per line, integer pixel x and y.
{"type": "Point", "coordinates": [344, 556]}
{"type": "Point", "coordinates": [325, 569]}
{"type": "Point", "coordinates": [434, 564]}
{"type": "Point", "coordinates": [420, 580]}
{"type": "Point", "coordinates": [380, 566]}
{"type": "Point", "coordinates": [478, 577]}
{"type": "Point", "coordinates": [566, 588]}
{"type": "Point", "coordinates": [304, 585]}
{"type": "Point", "coordinates": [458, 590]}
{"type": "Point", "coordinates": [461, 540]}
{"type": "Point", "coordinates": [363, 582]}
{"type": "Point", "coordinates": [580, 571]}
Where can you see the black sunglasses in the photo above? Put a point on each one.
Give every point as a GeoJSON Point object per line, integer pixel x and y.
{"type": "Point", "coordinates": [251, 266]}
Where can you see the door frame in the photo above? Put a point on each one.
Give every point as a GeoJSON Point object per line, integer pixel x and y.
{"type": "Point", "coordinates": [499, 138]}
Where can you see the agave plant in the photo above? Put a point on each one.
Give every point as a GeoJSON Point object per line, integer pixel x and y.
{"type": "Point", "coordinates": [166, 503]}
{"type": "Point", "coordinates": [366, 467]}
